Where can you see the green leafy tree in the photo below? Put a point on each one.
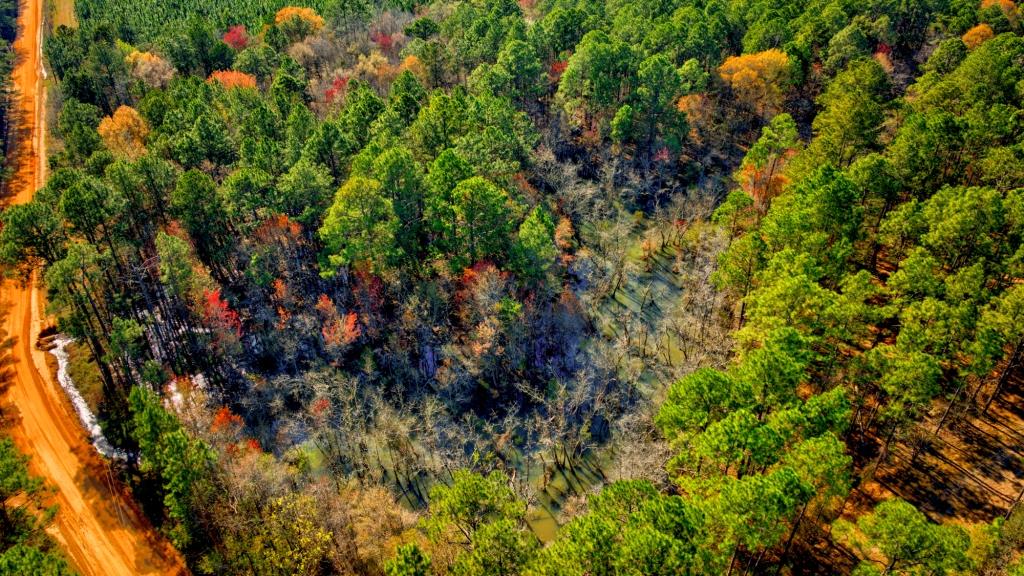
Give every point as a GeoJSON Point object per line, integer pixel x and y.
{"type": "Point", "coordinates": [77, 125]}
{"type": "Point", "coordinates": [304, 192]}
{"type": "Point", "coordinates": [402, 182]}
{"type": "Point", "coordinates": [751, 513]}
{"type": "Point", "coordinates": [623, 126]}
{"type": "Point", "coordinates": [535, 246]}
{"type": "Point", "coordinates": [64, 51]}
{"type": "Point", "coordinates": [476, 32]}
{"type": "Point", "coordinates": [696, 401]}
{"type": "Point", "coordinates": [585, 546]}
{"type": "Point", "coordinates": [499, 548]}
{"type": "Point", "coordinates": [422, 28]}
{"type": "Point", "coordinates": [819, 217]}
{"type": "Point", "coordinates": [360, 227]}
{"type": "Point", "coordinates": [851, 119]}
{"type": "Point", "coordinates": [182, 464]}
{"type": "Point", "coordinates": [498, 138]}
{"type": "Point", "coordinates": [964, 225]}
{"type": "Point", "coordinates": [445, 173]}
{"type": "Point", "coordinates": [20, 493]}
{"type": "Point", "coordinates": [947, 56]}
{"type": "Point", "coordinates": [909, 542]}
{"type": "Point", "coordinates": [927, 150]}
{"type": "Point", "coordinates": [92, 209]}
{"type": "Point", "coordinates": [362, 108]}
{"type": "Point", "coordinates": [31, 232]}
{"type": "Point", "coordinates": [257, 60]}
{"type": "Point", "coordinates": [406, 97]}
{"type": "Point", "coordinates": [562, 28]}
{"type": "Point", "coordinates": [175, 264]}
{"type": "Point", "coordinates": [1000, 328]}
{"type": "Point", "coordinates": [740, 265]}
{"type": "Point", "coordinates": [630, 528]}
{"type": "Point", "coordinates": [438, 124]}
{"type": "Point", "coordinates": [599, 72]}
{"type": "Point", "coordinates": [32, 561]}
{"type": "Point", "coordinates": [289, 86]}
{"type": "Point", "coordinates": [520, 61]}
{"type": "Point", "coordinates": [298, 127]}
{"type": "Point", "coordinates": [657, 119]}
{"type": "Point", "coordinates": [197, 205]}
{"type": "Point", "coordinates": [848, 44]}
{"type": "Point", "coordinates": [472, 501]}
{"type": "Point", "coordinates": [247, 194]}
{"type": "Point", "coordinates": [483, 216]}
{"type": "Point", "coordinates": [330, 146]}
{"type": "Point", "coordinates": [409, 560]}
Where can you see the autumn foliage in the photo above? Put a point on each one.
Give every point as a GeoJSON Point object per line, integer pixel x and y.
{"type": "Point", "coordinates": [527, 6]}
{"type": "Point", "coordinates": [236, 37]}
{"type": "Point", "coordinates": [759, 79]}
{"type": "Point", "coordinates": [884, 60]}
{"type": "Point", "coordinates": [150, 68]}
{"type": "Point", "coordinates": [219, 315]}
{"type": "Point", "coordinates": [376, 69]}
{"type": "Point", "coordinates": [556, 69]}
{"type": "Point", "coordinates": [306, 14]}
{"type": "Point", "coordinates": [382, 40]}
{"type": "Point", "coordinates": [125, 132]}
{"type": "Point", "coordinates": [565, 235]}
{"type": "Point", "coordinates": [233, 79]}
{"type": "Point", "coordinates": [414, 65]}
{"type": "Point", "coordinates": [225, 420]}
{"type": "Point", "coordinates": [762, 183]}
{"type": "Point", "coordinates": [337, 89]}
{"type": "Point", "coordinates": [1008, 7]}
{"type": "Point", "coordinates": [698, 114]}
{"type": "Point", "coordinates": [977, 36]}
{"type": "Point", "coordinates": [338, 329]}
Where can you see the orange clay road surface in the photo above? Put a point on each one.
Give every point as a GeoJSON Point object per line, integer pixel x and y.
{"type": "Point", "coordinates": [97, 524]}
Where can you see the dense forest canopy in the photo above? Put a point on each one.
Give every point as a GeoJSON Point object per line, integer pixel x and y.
{"type": "Point", "coordinates": [560, 287]}
{"type": "Point", "coordinates": [8, 13]}
{"type": "Point", "coordinates": [25, 548]}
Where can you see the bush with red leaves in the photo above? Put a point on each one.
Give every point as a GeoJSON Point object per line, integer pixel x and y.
{"type": "Point", "coordinates": [236, 37]}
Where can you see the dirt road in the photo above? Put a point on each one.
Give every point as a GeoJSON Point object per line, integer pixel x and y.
{"type": "Point", "coordinates": [101, 532]}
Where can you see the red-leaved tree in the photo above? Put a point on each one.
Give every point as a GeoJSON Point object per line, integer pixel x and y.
{"type": "Point", "coordinates": [382, 40]}
{"type": "Point", "coordinates": [218, 315]}
{"type": "Point", "coordinates": [237, 37]}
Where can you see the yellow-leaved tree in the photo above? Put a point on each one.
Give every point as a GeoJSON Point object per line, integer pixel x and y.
{"type": "Point", "coordinates": [759, 80]}
{"type": "Point", "coordinates": [125, 132]}
{"type": "Point", "coordinates": [298, 22]}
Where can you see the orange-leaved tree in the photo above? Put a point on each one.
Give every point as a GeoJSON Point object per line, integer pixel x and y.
{"type": "Point", "coordinates": [1008, 7]}
{"type": "Point", "coordinates": [413, 64]}
{"type": "Point", "coordinates": [233, 79]}
{"type": "Point", "coordinates": [977, 36]}
{"type": "Point", "coordinates": [761, 174]}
